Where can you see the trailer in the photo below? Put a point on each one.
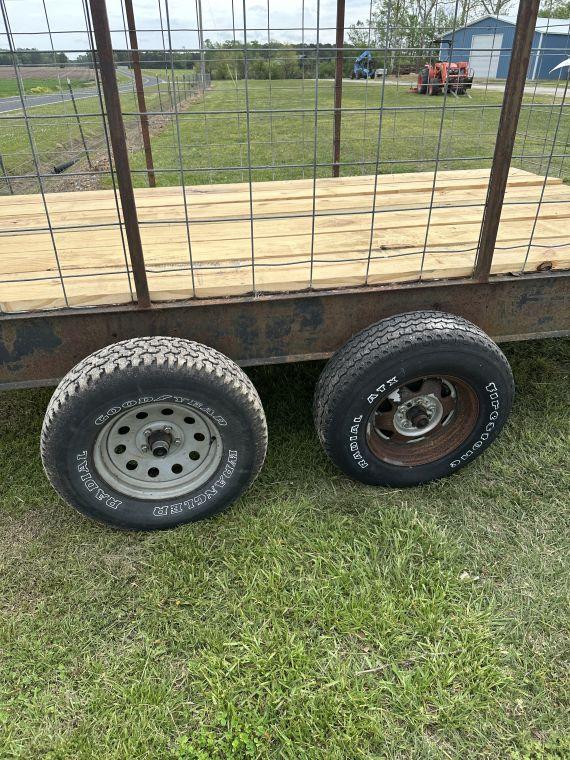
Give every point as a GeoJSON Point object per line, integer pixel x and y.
{"type": "Point", "coordinates": [143, 304]}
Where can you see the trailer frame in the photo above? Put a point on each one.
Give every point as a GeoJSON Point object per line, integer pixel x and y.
{"type": "Point", "coordinates": [38, 348]}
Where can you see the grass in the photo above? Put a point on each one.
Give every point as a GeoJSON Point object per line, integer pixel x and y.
{"type": "Point", "coordinates": [57, 140]}
{"type": "Point", "coordinates": [282, 128]}
{"type": "Point", "coordinates": [214, 144]}
{"type": "Point", "coordinates": [9, 87]}
{"type": "Point", "coordinates": [318, 618]}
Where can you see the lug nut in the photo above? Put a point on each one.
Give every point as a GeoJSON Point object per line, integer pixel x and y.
{"type": "Point", "coordinates": [167, 429]}
{"type": "Point", "coordinates": [144, 448]}
{"type": "Point", "coordinates": [148, 432]}
{"type": "Point", "coordinates": [177, 441]}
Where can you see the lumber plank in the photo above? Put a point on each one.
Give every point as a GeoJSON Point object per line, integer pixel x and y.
{"type": "Point", "coordinates": [165, 286]}
{"type": "Point", "coordinates": [231, 241]}
{"type": "Point", "coordinates": [94, 264]}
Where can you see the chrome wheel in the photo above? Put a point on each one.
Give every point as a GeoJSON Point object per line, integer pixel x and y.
{"type": "Point", "coordinates": [158, 450]}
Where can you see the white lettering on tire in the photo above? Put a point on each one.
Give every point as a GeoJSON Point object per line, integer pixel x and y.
{"type": "Point", "coordinates": [493, 392]}
{"type": "Point", "coordinates": [353, 444]}
{"type": "Point", "coordinates": [114, 410]}
{"type": "Point", "coordinates": [91, 484]}
{"type": "Point", "coordinates": [205, 496]}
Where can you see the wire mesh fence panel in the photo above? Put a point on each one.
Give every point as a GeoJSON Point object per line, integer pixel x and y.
{"type": "Point", "coordinates": [329, 144]}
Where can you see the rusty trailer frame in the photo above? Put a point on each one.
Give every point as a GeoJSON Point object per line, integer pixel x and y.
{"type": "Point", "coordinates": [39, 348]}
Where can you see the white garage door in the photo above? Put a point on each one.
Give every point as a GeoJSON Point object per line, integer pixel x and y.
{"type": "Point", "coordinates": [484, 55]}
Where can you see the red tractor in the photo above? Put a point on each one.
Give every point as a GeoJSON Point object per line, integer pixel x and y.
{"type": "Point", "coordinates": [442, 76]}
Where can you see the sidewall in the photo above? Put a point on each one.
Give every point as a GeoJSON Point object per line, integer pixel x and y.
{"type": "Point", "coordinates": [75, 435]}
{"type": "Point", "coordinates": [489, 379]}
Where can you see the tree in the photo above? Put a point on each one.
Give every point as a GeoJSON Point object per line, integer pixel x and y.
{"type": "Point", "coordinates": [561, 10]}
{"type": "Point", "coordinates": [405, 29]}
{"type": "Point", "coordinates": [496, 7]}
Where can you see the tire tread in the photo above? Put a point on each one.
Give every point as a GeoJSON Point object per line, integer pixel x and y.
{"type": "Point", "coordinates": [385, 340]}
{"type": "Point", "coordinates": [158, 351]}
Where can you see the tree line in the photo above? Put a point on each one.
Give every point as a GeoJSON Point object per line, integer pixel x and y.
{"type": "Point", "coordinates": [401, 33]}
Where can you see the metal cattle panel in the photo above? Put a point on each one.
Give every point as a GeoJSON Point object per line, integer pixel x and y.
{"type": "Point", "coordinates": [38, 349]}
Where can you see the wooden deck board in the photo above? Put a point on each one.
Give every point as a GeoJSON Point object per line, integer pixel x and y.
{"type": "Point", "coordinates": [91, 255]}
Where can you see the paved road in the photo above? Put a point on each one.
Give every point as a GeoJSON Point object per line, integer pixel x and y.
{"type": "Point", "coordinates": [13, 103]}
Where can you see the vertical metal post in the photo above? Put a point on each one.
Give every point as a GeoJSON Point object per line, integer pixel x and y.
{"type": "Point", "coordinates": [506, 135]}
{"type": "Point", "coordinates": [140, 91]}
{"type": "Point", "coordinates": [6, 176]}
{"type": "Point", "coordinates": [119, 144]}
{"type": "Point", "coordinates": [83, 140]}
{"type": "Point", "coordinates": [201, 43]}
{"type": "Point", "coordinates": [338, 86]}
{"type": "Point", "coordinates": [159, 95]}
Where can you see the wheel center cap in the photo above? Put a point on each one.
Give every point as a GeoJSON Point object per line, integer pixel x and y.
{"type": "Point", "coordinates": [159, 442]}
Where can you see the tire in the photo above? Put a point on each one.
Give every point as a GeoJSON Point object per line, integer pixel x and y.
{"type": "Point", "coordinates": [423, 79]}
{"type": "Point", "coordinates": [153, 404]}
{"type": "Point", "coordinates": [412, 399]}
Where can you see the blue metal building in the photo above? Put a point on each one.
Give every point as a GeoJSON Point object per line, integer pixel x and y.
{"type": "Point", "coordinates": [487, 43]}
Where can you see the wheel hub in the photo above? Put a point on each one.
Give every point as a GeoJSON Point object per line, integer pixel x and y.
{"type": "Point", "coordinates": [422, 420]}
{"type": "Point", "coordinates": [160, 442]}
{"type": "Point", "coordinates": [418, 415]}
{"type": "Point", "coordinates": [159, 450]}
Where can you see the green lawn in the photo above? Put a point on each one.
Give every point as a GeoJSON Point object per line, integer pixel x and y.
{"type": "Point", "coordinates": [318, 618]}
{"type": "Point", "coordinates": [214, 144]}
{"type": "Point", "coordinates": [282, 128]}
{"type": "Point", "coordinates": [58, 140]}
{"type": "Point", "coordinates": [9, 87]}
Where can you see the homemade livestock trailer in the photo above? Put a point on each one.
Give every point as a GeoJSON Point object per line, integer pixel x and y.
{"type": "Point", "coordinates": [142, 302]}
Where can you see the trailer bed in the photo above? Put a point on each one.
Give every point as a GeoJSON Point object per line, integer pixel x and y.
{"type": "Point", "coordinates": [201, 240]}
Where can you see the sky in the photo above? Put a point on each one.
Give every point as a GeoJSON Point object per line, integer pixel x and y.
{"type": "Point", "coordinates": [66, 20]}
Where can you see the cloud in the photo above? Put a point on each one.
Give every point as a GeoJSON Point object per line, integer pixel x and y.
{"type": "Point", "coordinates": [67, 23]}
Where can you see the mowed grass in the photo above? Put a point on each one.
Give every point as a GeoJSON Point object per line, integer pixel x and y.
{"type": "Point", "coordinates": [318, 618]}
{"type": "Point", "coordinates": [215, 142]}
{"type": "Point", "coordinates": [9, 87]}
{"type": "Point", "coordinates": [55, 132]}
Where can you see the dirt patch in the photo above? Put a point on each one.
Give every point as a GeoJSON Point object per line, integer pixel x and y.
{"type": "Point", "coordinates": [81, 73]}
{"type": "Point", "coordinates": [100, 159]}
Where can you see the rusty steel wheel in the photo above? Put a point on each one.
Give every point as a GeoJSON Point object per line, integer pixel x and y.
{"type": "Point", "coordinates": [412, 399]}
{"type": "Point", "coordinates": [422, 420]}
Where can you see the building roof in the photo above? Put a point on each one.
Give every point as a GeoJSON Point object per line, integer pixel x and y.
{"type": "Point", "coordinates": [543, 25]}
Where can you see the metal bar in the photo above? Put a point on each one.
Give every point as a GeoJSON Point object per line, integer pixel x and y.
{"type": "Point", "coordinates": [119, 144]}
{"type": "Point", "coordinates": [6, 176]}
{"type": "Point", "coordinates": [92, 45]}
{"type": "Point", "coordinates": [506, 135]}
{"type": "Point", "coordinates": [38, 348]}
{"type": "Point", "coordinates": [338, 86]}
{"type": "Point", "coordinates": [200, 26]}
{"type": "Point", "coordinates": [136, 62]}
{"type": "Point", "coordinates": [248, 139]}
{"type": "Point", "coordinates": [83, 140]}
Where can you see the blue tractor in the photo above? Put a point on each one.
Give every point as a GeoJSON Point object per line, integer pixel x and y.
{"type": "Point", "coordinates": [363, 68]}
